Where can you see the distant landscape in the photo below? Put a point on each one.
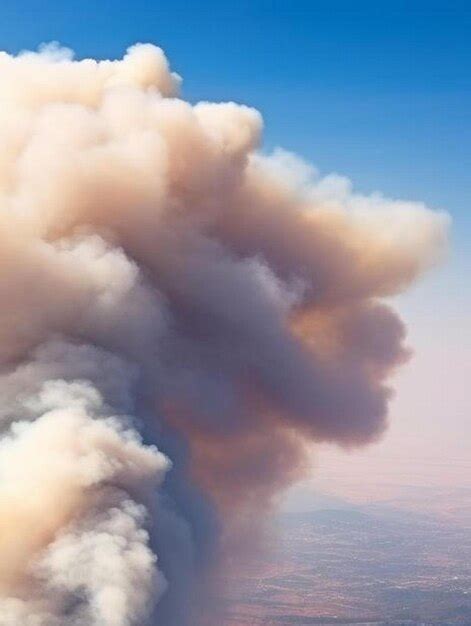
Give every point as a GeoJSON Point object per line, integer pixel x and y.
{"type": "Point", "coordinates": [372, 564]}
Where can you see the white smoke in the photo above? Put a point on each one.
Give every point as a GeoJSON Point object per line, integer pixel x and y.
{"type": "Point", "coordinates": [73, 537]}
{"type": "Point", "coordinates": [164, 283]}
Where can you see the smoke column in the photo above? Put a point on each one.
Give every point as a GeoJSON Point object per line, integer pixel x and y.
{"type": "Point", "coordinates": [181, 315]}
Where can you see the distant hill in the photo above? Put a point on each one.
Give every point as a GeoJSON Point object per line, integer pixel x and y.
{"type": "Point", "coordinates": [324, 516]}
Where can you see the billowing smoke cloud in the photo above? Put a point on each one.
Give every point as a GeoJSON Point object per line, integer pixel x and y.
{"type": "Point", "coordinates": [180, 316]}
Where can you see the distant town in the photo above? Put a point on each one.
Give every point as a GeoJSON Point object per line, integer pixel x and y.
{"type": "Point", "coordinates": [355, 567]}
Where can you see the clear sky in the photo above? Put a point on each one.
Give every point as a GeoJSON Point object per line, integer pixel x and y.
{"type": "Point", "coordinates": [377, 91]}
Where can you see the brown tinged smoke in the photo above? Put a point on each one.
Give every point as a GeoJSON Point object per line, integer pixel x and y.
{"type": "Point", "coordinates": [164, 286]}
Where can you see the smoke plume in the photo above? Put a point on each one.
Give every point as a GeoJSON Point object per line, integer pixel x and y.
{"type": "Point", "coordinates": [181, 315]}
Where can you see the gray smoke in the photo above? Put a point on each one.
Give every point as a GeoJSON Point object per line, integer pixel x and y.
{"type": "Point", "coordinates": [181, 316]}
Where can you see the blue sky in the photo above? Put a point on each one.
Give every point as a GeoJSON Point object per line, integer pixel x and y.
{"type": "Point", "coordinates": [377, 91]}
